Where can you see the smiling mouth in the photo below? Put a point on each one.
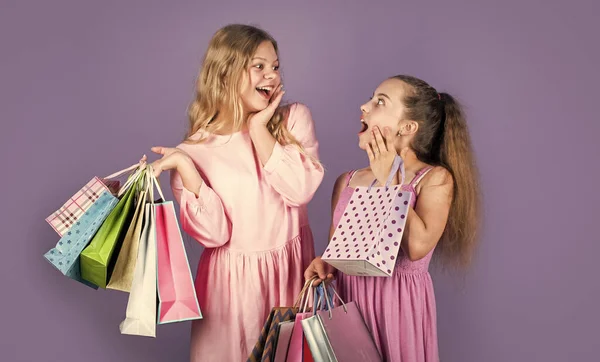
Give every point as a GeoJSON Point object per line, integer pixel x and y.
{"type": "Point", "coordinates": [265, 91]}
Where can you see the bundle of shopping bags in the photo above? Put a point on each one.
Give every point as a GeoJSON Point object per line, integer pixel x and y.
{"type": "Point", "coordinates": [116, 235]}
{"type": "Point", "coordinates": [324, 330]}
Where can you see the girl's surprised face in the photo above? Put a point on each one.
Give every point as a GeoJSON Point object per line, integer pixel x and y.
{"type": "Point", "coordinates": [261, 79]}
{"type": "Point", "coordinates": [383, 110]}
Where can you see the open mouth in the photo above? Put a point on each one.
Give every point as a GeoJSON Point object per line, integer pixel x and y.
{"type": "Point", "coordinates": [265, 91]}
{"type": "Point", "coordinates": [364, 127]}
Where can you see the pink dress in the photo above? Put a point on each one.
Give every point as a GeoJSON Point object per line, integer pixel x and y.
{"type": "Point", "coordinates": [253, 223]}
{"type": "Point", "coordinates": [399, 310]}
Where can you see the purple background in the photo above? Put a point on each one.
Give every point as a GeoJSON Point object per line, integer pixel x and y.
{"type": "Point", "coordinates": [87, 87]}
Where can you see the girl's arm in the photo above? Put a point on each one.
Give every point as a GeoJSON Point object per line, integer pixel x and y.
{"type": "Point", "coordinates": [201, 210]}
{"type": "Point", "coordinates": [425, 223]}
{"type": "Point", "coordinates": [293, 175]}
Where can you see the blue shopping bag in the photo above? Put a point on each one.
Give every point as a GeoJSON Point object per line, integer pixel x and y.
{"type": "Point", "coordinates": [65, 255]}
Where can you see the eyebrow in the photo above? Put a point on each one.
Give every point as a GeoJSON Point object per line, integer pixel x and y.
{"type": "Point", "coordinates": [384, 96]}
{"type": "Point", "coordinates": [261, 58]}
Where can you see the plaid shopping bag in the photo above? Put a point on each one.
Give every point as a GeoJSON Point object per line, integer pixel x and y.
{"type": "Point", "coordinates": [73, 209]}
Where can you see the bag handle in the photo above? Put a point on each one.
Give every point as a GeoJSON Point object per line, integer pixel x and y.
{"type": "Point", "coordinates": [138, 165]}
{"type": "Point", "coordinates": [131, 180]}
{"type": "Point", "coordinates": [398, 164]}
{"type": "Point", "coordinates": [329, 300]}
{"type": "Point", "coordinates": [303, 292]}
{"type": "Point", "coordinates": [154, 182]}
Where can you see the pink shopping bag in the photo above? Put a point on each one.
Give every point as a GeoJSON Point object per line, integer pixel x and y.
{"type": "Point", "coordinates": [175, 286]}
{"type": "Point", "coordinates": [298, 350]}
{"type": "Point", "coordinates": [284, 335]}
{"type": "Point", "coordinates": [339, 334]}
{"type": "Point", "coordinates": [367, 239]}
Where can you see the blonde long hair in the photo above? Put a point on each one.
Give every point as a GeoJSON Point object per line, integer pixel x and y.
{"type": "Point", "coordinates": [226, 60]}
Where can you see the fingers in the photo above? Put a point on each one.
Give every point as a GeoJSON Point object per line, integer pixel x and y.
{"type": "Point", "coordinates": [165, 151]}
{"type": "Point", "coordinates": [388, 138]}
{"type": "Point", "coordinates": [374, 145]}
{"type": "Point", "coordinates": [156, 168]}
{"type": "Point", "coordinates": [379, 140]}
{"type": "Point", "coordinates": [320, 269]}
{"type": "Point", "coordinates": [370, 152]}
{"type": "Point", "coordinates": [159, 150]}
{"type": "Point", "coordinates": [277, 97]}
{"type": "Point", "coordinates": [310, 274]}
{"type": "Point", "coordinates": [143, 159]}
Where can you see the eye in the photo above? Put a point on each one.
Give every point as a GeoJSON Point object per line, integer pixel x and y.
{"type": "Point", "coordinates": [380, 102]}
{"type": "Point", "coordinates": [259, 66]}
{"type": "Point", "coordinates": [276, 68]}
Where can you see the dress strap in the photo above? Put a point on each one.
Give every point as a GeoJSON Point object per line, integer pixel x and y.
{"type": "Point", "coordinates": [419, 176]}
{"type": "Point", "coordinates": [350, 175]}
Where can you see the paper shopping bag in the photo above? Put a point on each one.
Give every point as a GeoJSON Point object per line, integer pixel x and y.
{"type": "Point", "coordinates": [339, 334]}
{"type": "Point", "coordinates": [97, 260]}
{"type": "Point", "coordinates": [65, 256]}
{"type": "Point", "coordinates": [122, 274]}
{"type": "Point", "coordinates": [264, 349]}
{"type": "Point", "coordinates": [298, 349]}
{"type": "Point", "coordinates": [176, 291]}
{"type": "Point", "coordinates": [284, 336]}
{"type": "Point", "coordinates": [140, 316]}
{"type": "Point", "coordinates": [63, 219]}
{"type": "Point", "coordinates": [367, 239]}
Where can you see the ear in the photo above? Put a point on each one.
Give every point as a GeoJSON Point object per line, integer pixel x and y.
{"type": "Point", "coordinates": [408, 128]}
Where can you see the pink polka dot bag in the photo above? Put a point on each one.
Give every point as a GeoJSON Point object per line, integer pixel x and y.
{"type": "Point", "coordinates": [367, 239]}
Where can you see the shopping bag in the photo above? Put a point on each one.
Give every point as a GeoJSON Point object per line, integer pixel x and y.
{"type": "Point", "coordinates": [296, 352]}
{"type": "Point", "coordinates": [264, 349]}
{"type": "Point", "coordinates": [122, 274]}
{"type": "Point", "coordinates": [367, 239]}
{"type": "Point", "coordinates": [97, 260]}
{"type": "Point", "coordinates": [63, 219]}
{"type": "Point", "coordinates": [140, 316]}
{"type": "Point", "coordinates": [298, 349]}
{"type": "Point", "coordinates": [65, 255]}
{"type": "Point", "coordinates": [89, 208]}
{"type": "Point", "coordinates": [339, 334]}
{"type": "Point", "coordinates": [284, 336]}
{"type": "Point", "coordinates": [175, 287]}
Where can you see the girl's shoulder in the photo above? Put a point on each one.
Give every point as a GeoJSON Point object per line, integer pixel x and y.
{"type": "Point", "coordinates": [433, 176]}
{"type": "Point", "coordinates": [296, 114]}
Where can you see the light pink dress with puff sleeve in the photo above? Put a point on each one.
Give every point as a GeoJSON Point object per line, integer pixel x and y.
{"type": "Point", "coordinates": [253, 223]}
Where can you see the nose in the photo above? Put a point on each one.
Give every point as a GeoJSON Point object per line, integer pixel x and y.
{"type": "Point", "coordinates": [270, 74]}
{"type": "Point", "coordinates": [365, 107]}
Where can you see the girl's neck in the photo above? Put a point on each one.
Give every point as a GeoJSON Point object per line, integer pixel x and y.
{"type": "Point", "coordinates": [412, 164]}
{"type": "Point", "coordinates": [228, 125]}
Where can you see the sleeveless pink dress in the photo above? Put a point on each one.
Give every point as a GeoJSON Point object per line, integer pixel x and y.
{"type": "Point", "coordinates": [399, 310]}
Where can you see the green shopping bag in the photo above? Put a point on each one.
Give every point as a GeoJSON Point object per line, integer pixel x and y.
{"type": "Point", "coordinates": [99, 257]}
